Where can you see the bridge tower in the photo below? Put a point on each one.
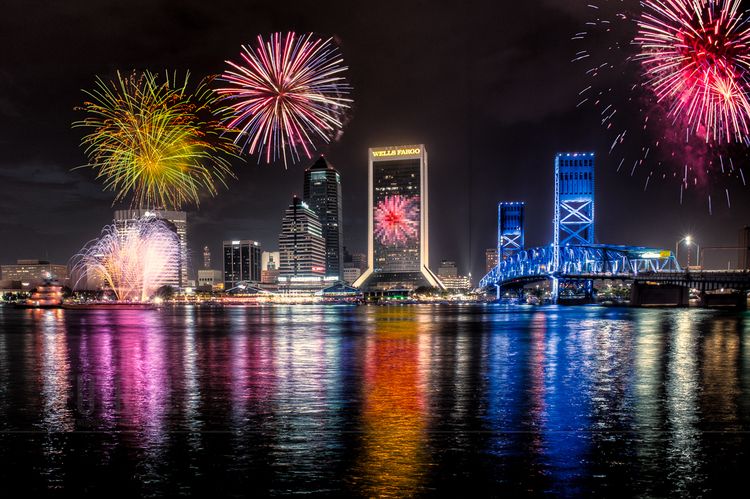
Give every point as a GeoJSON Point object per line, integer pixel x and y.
{"type": "Point", "coordinates": [510, 230]}
{"type": "Point", "coordinates": [574, 205]}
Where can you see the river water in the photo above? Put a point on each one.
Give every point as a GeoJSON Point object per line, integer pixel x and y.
{"type": "Point", "coordinates": [374, 401]}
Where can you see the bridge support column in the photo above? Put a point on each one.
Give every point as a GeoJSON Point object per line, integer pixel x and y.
{"type": "Point", "coordinates": [733, 300]}
{"type": "Point", "coordinates": [667, 295]}
{"type": "Point", "coordinates": [554, 290]}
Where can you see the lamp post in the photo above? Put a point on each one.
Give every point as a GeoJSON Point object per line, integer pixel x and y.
{"type": "Point", "coordinates": [688, 240]}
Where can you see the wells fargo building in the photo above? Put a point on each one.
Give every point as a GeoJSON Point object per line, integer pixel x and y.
{"type": "Point", "coordinates": [398, 244]}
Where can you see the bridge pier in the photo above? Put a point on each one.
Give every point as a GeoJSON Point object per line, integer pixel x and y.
{"type": "Point", "coordinates": [736, 300]}
{"type": "Point", "coordinates": [659, 295]}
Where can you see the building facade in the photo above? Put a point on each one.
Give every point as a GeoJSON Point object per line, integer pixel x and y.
{"type": "Point", "coordinates": [322, 193]}
{"type": "Point", "coordinates": [398, 246]}
{"type": "Point", "coordinates": [34, 272]}
{"type": "Point", "coordinates": [206, 257]}
{"type": "Point", "coordinates": [744, 244]}
{"type": "Point", "coordinates": [351, 274]}
{"type": "Point", "coordinates": [242, 262]}
{"type": "Point", "coordinates": [490, 259]}
{"type": "Point", "coordinates": [211, 279]}
{"type": "Point", "coordinates": [178, 272]}
{"type": "Point", "coordinates": [448, 275]}
{"type": "Point", "coordinates": [302, 249]}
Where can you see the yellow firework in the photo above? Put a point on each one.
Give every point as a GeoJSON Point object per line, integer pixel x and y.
{"type": "Point", "coordinates": [158, 142]}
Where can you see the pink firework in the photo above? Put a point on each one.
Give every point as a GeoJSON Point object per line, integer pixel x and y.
{"type": "Point", "coordinates": [696, 56]}
{"type": "Point", "coordinates": [285, 92]}
{"type": "Point", "coordinates": [397, 219]}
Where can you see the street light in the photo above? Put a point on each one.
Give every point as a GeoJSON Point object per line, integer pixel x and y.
{"type": "Point", "coordinates": [688, 240]}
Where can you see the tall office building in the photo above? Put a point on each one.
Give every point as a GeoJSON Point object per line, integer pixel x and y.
{"type": "Point", "coordinates": [206, 257]}
{"type": "Point", "coordinates": [302, 249]}
{"type": "Point", "coordinates": [269, 272]}
{"type": "Point", "coordinates": [242, 262]}
{"type": "Point", "coordinates": [490, 259]}
{"type": "Point", "coordinates": [178, 272]}
{"type": "Point", "coordinates": [398, 246]}
{"type": "Point", "coordinates": [744, 244]}
{"type": "Point", "coordinates": [322, 193]}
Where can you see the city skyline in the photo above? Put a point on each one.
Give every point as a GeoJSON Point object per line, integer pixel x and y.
{"type": "Point", "coordinates": [495, 133]}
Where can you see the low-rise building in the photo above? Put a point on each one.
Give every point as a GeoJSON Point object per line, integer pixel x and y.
{"type": "Point", "coordinates": [34, 272]}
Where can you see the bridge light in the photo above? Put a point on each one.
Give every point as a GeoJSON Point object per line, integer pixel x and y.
{"type": "Point", "coordinates": [688, 239]}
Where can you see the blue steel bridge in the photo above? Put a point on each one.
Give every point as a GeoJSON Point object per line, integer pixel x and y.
{"type": "Point", "coordinates": [573, 258]}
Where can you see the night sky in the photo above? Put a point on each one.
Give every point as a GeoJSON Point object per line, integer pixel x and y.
{"type": "Point", "coordinates": [487, 86]}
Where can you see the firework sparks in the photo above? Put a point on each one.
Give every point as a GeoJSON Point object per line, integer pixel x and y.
{"type": "Point", "coordinates": [285, 92]}
{"type": "Point", "coordinates": [680, 67]}
{"type": "Point", "coordinates": [696, 56]}
{"type": "Point", "coordinates": [132, 261]}
{"type": "Point", "coordinates": [397, 219]}
{"type": "Point", "coordinates": [157, 141]}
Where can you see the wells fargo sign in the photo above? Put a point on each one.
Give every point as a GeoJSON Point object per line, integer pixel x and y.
{"type": "Point", "coordinates": [399, 151]}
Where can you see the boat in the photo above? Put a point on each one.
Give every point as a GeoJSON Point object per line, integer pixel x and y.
{"type": "Point", "coordinates": [47, 295]}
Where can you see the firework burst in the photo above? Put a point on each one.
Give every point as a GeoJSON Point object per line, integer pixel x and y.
{"type": "Point", "coordinates": [159, 142]}
{"type": "Point", "coordinates": [132, 261]}
{"type": "Point", "coordinates": [669, 80]}
{"type": "Point", "coordinates": [397, 219]}
{"type": "Point", "coordinates": [696, 56]}
{"type": "Point", "coordinates": [285, 92]}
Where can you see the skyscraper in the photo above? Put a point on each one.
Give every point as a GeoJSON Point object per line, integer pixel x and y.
{"type": "Point", "coordinates": [242, 261]}
{"type": "Point", "coordinates": [125, 219]}
{"type": "Point", "coordinates": [302, 249]}
{"type": "Point", "coordinates": [322, 193]}
{"type": "Point", "coordinates": [206, 257]}
{"type": "Point", "coordinates": [398, 246]}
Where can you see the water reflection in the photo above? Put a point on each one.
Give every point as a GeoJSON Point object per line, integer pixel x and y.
{"type": "Point", "coordinates": [376, 401]}
{"type": "Point", "coordinates": [393, 418]}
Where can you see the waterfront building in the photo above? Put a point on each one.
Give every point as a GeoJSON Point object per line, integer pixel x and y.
{"type": "Point", "coordinates": [351, 274]}
{"type": "Point", "coordinates": [398, 237]}
{"type": "Point", "coordinates": [456, 283]}
{"type": "Point", "coordinates": [270, 260]}
{"type": "Point", "coordinates": [269, 273]}
{"type": "Point", "coordinates": [301, 245]}
{"type": "Point", "coordinates": [177, 275]}
{"type": "Point", "coordinates": [447, 269]}
{"type": "Point", "coordinates": [322, 193]}
{"type": "Point", "coordinates": [242, 262]}
{"type": "Point", "coordinates": [448, 275]}
{"type": "Point", "coordinates": [211, 279]}
{"type": "Point", "coordinates": [32, 273]}
{"type": "Point", "coordinates": [206, 257]}
{"type": "Point", "coordinates": [490, 259]}
{"type": "Point", "coordinates": [358, 260]}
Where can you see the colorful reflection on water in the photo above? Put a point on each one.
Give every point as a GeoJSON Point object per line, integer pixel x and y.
{"type": "Point", "coordinates": [374, 401]}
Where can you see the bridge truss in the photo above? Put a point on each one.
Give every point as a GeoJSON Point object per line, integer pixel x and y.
{"type": "Point", "coordinates": [580, 262]}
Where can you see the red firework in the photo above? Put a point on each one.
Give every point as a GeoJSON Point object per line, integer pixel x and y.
{"type": "Point", "coordinates": [397, 220]}
{"type": "Point", "coordinates": [696, 58]}
{"type": "Point", "coordinates": [286, 91]}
